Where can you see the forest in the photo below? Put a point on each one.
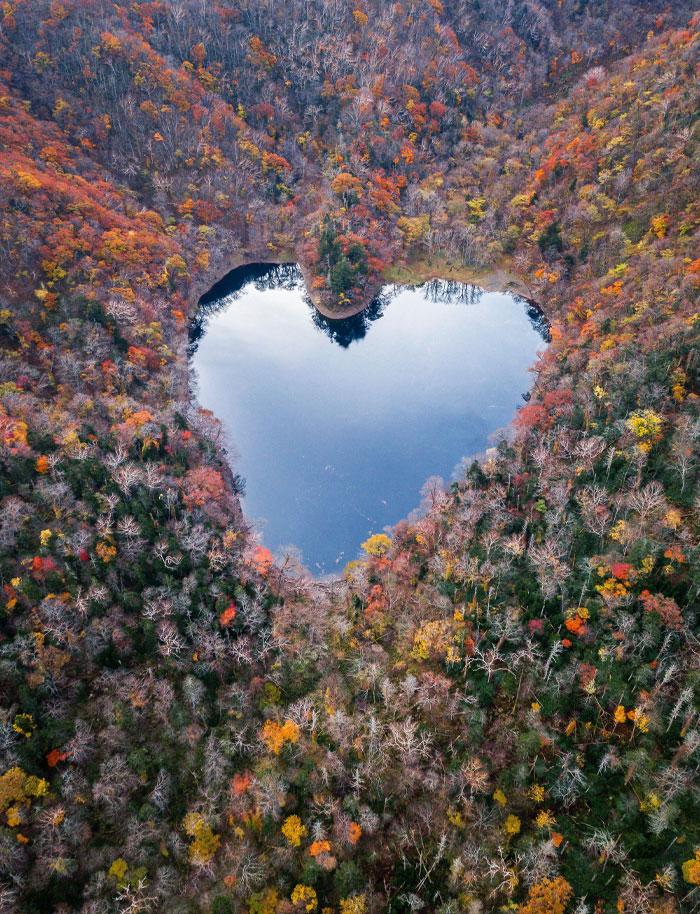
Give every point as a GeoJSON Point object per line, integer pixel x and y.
{"type": "Point", "coordinates": [496, 708]}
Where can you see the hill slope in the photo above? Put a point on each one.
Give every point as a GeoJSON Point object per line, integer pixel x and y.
{"type": "Point", "coordinates": [498, 708]}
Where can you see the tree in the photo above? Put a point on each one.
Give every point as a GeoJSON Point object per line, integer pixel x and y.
{"type": "Point", "coordinates": [549, 896]}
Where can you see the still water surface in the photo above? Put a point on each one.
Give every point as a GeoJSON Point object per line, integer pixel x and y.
{"type": "Point", "coordinates": [336, 425]}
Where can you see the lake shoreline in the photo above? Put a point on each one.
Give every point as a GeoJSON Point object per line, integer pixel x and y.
{"type": "Point", "coordinates": [411, 273]}
{"type": "Point", "coordinates": [339, 423]}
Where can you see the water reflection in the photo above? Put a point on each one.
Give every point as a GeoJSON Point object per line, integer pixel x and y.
{"type": "Point", "coordinates": [337, 428]}
{"type": "Point", "coordinates": [261, 276]}
{"type": "Point", "coordinates": [343, 331]}
{"type": "Point", "coordinates": [346, 330]}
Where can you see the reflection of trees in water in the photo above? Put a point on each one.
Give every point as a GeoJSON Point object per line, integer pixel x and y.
{"type": "Point", "coordinates": [537, 318]}
{"type": "Point", "coordinates": [451, 292]}
{"type": "Point", "coordinates": [262, 276]}
{"type": "Point", "coordinates": [345, 331]}
{"type": "Point", "coordinates": [459, 293]}
{"type": "Point", "coordinates": [342, 331]}
{"type": "Point", "coordinates": [288, 276]}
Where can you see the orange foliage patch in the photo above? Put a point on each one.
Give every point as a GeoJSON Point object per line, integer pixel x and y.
{"type": "Point", "coordinates": [54, 757]}
{"type": "Point", "coordinates": [227, 616]}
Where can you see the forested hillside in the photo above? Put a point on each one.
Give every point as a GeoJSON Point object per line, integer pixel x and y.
{"type": "Point", "coordinates": [498, 706]}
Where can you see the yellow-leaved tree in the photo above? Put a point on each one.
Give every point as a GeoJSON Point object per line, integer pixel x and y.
{"type": "Point", "coordinates": [548, 896]}
{"type": "Point", "coordinates": [377, 544]}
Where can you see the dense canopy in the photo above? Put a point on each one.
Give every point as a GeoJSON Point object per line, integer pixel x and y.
{"type": "Point", "coordinates": [498, 706]}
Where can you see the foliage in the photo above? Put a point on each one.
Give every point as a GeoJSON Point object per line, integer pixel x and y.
{"type": "Point", "coordinates": [497, 707]}
{"type": "Point", "coordinates": [293, 830]}
{"type": "Point", "coordinates": [549, 896]}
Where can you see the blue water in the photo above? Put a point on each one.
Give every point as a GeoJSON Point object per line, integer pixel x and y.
{"type": "Point", "coordinates": [336, 425]}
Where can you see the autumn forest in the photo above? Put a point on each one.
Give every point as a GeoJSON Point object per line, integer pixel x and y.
{"type": "Point", "coordinates": [495, 706]}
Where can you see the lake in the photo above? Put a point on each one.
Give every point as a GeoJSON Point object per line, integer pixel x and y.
{"type": "Point", "coordinates": [336, 424]}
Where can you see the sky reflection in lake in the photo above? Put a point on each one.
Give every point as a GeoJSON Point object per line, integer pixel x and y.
{"type": "Point", "coordinates": [336, 425]}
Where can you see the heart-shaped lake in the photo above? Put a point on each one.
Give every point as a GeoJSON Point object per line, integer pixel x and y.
{"type": "Point", "coordinates": [336, 425]}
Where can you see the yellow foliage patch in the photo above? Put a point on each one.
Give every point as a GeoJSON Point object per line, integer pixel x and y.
{"type": "Point", "coordinates": [293, 830]}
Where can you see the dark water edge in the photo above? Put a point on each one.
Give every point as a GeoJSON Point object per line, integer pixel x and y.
{"type": "Point", "coordinates": [262, 275]}
{"type": "Point", "coordinates": [342, 331]}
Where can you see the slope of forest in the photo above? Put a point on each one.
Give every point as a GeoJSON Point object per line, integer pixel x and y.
{"type": "Point", "coordinates": [497, 708]}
